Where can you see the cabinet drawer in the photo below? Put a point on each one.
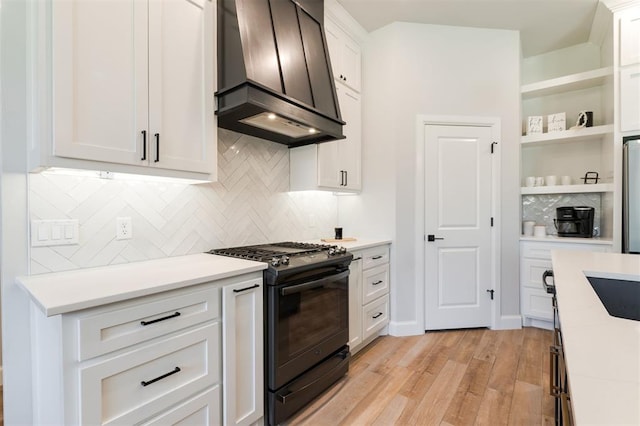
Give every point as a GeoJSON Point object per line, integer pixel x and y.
{"type": "Point", "coordinates": [375, 283]}
{"type": "Point", "coordinates": [132, 387]}
{"type": "Point", "coordinates": [375, 256]}
{"type": "Point", "coordinates": [375, 316]}
{"type": "Point", "coordinates": [543, 250]}
{"type": "Point", "coordinates": [531, 271]}
{"type": "Point", "coordinates": [132, 323]}
{"type": "Point", "coordinates": [202, 410]}
{"type": "Point", "coordinates": [537, 304]}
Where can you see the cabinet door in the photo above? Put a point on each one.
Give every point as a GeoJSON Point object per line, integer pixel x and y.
{"type": "Point", "coordinates": [100, 94]}
{"type": "Point", "coordinates": [243, 393]}
{"type": "Point", "coordinates": [630, 98]}
{"type": "Point", "coordinates": [329, 163]}
{"type": "Point", "coordinates": [351, 63]}
{"type": "Point", "coordinates": [350, 148]}
{"type": "Point", "coordinates": [181, 85]}
{"type": "Point", "coordinates": [630, 38]}
{"type": "Point", "coordinates": [355, 301]}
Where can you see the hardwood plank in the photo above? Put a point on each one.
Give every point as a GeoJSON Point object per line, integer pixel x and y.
{"type": "Point", "coordinates": [488, 345]}
{"type": "Point", "coordinates": [530, 366]}
{"type": "Point", "coordinates": [391, 413]}
{"type": "Point", "coordinates": [434, 403]}
{"type": "Point", "coordinates": [526, 405]}
{"type": "Point", "coordinates": [467, 346]}
{"type": "Point", "coordinates": [464, 407]}
{"type": "Point", "coordinates": [494, 408]}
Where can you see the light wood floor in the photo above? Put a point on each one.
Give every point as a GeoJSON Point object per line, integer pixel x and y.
{"type": "Point", "coordinates": [461, 377]}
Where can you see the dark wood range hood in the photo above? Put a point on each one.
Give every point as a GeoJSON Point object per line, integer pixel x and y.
{"type": "Point", "coordinates": [274, 75]}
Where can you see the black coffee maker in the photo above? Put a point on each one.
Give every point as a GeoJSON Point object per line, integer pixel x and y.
{"type": "Point", "coordinates": [574, 221]}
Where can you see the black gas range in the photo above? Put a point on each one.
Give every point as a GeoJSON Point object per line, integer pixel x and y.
{"type": "Point", "coordinates": [289, 258]}
{"type": "Point", "coordinates": [306, 309]}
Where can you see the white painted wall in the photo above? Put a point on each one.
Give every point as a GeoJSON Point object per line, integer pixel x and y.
{"type": "Point", "coordinates": [412, 69]}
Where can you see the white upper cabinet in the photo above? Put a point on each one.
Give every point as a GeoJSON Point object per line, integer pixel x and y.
{"type": "Point", "coordinates": [339, 162]}
{"type": "Point", "coordinates": [630, 38]}
{"type": "Point", "coordinates": [134, 82]}
{"type": "Point", "coordinates": [345, 56]}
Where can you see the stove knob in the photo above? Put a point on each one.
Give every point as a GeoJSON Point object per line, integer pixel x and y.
{"type": "Point", "coordinates": [275, 261]}
{"type": "Point", "coordinates": [342, 250]}
{"type": "Point", "coordinates": [332, 251]}
{"type": "Point", "coordinates": [284, 260]}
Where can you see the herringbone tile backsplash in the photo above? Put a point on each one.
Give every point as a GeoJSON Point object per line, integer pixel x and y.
{"type": "Point", "coordinates": [248, 205]}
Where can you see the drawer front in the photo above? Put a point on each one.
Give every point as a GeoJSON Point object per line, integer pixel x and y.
{"type": "Point", "coordinates": [133, 323]}
{"type": "Point", "coordinates": [543, 250]}
{"type": "Point", "coordinates": [375, 316]}
{"type": "Point", "coordinates": [201, 410]}
{"type": "Point", "coordinates": [375, 256]}
{"type": "Point", "coordinates": [531, 271]}
{"type": "Point", "coordinates": [537, 304]}
{"type": "Point", "coordinates": [375, 283]}
{"type": "Point", "coordinates": [132, 387]}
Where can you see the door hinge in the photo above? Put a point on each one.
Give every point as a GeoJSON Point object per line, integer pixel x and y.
{"type": "Point", "coordinates": [492, 144]}
{"type": "Point", "coordinates": [492, 222]}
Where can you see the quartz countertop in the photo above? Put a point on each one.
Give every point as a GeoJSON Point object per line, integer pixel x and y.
{"type": "Point", "coordinates": [602, 352]}
{"type": "Point", "coordinates": [572, 240]}
{"type": "Point", "coordinates": [359, 244]}
{"type": "Point", "coordinates": [62, 292]}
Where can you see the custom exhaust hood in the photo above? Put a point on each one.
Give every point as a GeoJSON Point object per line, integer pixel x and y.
{"type": "Point", "coordinates": [274, 76]}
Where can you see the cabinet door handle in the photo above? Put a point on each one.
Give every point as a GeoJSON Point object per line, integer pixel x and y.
{"type": "Point", "coordinates": [240, 290]}
{"type": "Point", "coordinates": [157, 135]}
{"type": "Point", "coordinates": [377, 282]}
{"type": "Point", "coordinates": [174, 371]}
{"type": "Point", "coordinates": [177, 314]}
{"type": "Point", "coordinates": [346, 175]}
{"type": "Point", "coordinates": [144, 145]}
{"type": "Point", "coordinates": [379, 314]}
{"type": "Point", "coordinates": [356, 258]}
{"type": "Point", "coordinates": [376, 257]}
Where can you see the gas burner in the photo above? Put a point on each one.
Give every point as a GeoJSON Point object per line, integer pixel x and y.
{"type": "Point", "coordinates": [287, 256]}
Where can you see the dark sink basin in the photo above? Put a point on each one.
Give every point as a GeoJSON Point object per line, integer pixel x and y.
{"type": "Point", "coordinates": [621, 298]}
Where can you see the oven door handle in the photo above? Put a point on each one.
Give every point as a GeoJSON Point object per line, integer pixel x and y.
{"type": "Point", "coordinates": [312, 284]}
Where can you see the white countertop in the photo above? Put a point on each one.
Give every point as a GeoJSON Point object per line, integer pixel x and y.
{"type": "Point", "coordinates": [572, 240]}
{"type": "Point", "coordinates": [602, 352]}
{"type": "Point", "coordinates": [359, 244]}
{"type": "Point", "coordinates": [62, 292]}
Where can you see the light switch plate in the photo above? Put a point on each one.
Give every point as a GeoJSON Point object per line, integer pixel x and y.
{"type": "Point", "coordinates": [46, 233]}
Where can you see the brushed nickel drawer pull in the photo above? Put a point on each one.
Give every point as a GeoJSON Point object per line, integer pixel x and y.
{"type": "Point", "coordinates": [174, 371]}
{"type": "Point", "coordinates": [177, 314]}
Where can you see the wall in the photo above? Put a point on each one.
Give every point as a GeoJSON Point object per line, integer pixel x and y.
{"type": "Point", "coordinates": [248, 205]}
{"type": "Point", "coordinates": [412, 69]}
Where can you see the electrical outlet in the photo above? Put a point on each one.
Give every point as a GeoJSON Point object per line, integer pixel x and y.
{"type": "Point", "coordinates": [124, 228]}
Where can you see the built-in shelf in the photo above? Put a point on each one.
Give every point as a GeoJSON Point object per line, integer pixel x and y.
{"type": "Point", "coordinates": [571, 135]}
{"type": "Point", "coordinates": [566, 189]}
{"type": "Point", "coordinates": [567, 83]}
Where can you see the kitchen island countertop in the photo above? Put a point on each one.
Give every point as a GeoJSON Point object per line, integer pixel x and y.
{"type": "Point", "coordinates": [602, 352]}
{"type": "Point", "coordinates": [62, 292]}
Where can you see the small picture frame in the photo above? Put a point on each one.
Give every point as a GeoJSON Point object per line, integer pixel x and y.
{"type": "Point", "coordinates": [534, 124]}
{"type": "Point", "coordinates": [557, 122]}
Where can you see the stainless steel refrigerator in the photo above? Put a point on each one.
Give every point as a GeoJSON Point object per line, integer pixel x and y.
{"type": "Point", "coordinates": [631, 195]}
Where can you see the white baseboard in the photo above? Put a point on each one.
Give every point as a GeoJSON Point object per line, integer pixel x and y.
{"type": "Point", "coordinates": [405, 328]}
{"type": "Point", "coordinates": [532, 322]}
{"type": "Point", "coordinates": [509, 322]}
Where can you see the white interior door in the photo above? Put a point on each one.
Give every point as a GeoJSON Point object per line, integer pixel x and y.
{"type": "Point", "coordinates": [458, 217]}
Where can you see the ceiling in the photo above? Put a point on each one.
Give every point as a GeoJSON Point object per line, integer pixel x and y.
{"type": "Point", "coordinates": [544, 25]}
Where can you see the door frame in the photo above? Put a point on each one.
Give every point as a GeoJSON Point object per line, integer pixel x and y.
{"type": "Point", "coordinates": [419, 232]}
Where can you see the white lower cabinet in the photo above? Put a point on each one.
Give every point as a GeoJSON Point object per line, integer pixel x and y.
{"type": "Point", "coordinates": [243, 353]}
{"type": "Point", "coordinates": [535, 258]}
{"type": "Point", "coordinates": [187, 356]}
{"type": "Point", "coordinates": [368, 295]}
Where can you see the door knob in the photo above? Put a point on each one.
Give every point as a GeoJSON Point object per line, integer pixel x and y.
{"type": "Point", "coordinates": [432, 237]}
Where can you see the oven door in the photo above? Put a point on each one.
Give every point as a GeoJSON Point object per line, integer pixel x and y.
{"type": "Point", "coordinates": [308, 321]}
